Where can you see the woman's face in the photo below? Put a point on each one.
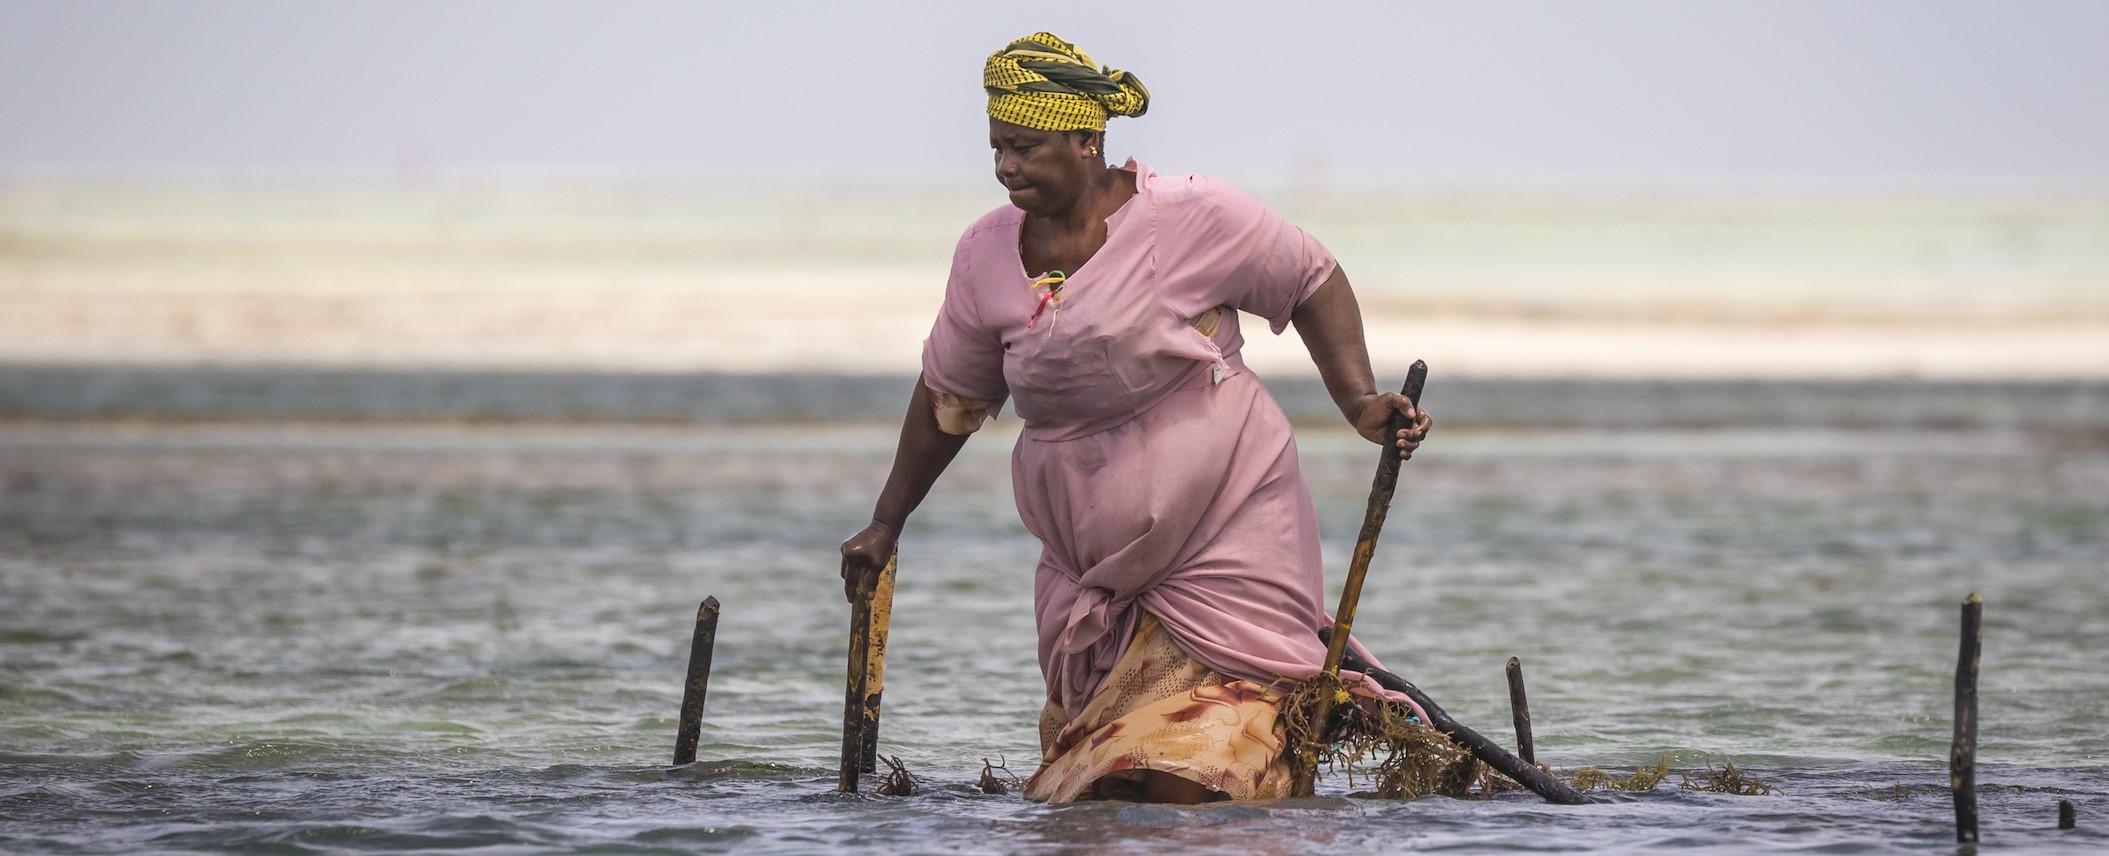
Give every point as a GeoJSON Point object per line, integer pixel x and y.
{"type": "Point", "coordinates": [1045, 171]}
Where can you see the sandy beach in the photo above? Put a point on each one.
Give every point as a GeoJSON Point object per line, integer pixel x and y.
{"type": "Point", "coordinates": [710, 281]}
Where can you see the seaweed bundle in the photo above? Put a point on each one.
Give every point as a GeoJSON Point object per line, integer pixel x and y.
{"type": "Point", "coordinates": [1643, 778]}
{"type": "Point", "coordinates": [1403, 757]}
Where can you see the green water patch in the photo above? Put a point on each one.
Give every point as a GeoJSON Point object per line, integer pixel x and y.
{"type": "Point", "coordinates": [252, 755]}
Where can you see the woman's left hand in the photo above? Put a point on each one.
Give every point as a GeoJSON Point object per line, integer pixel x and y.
{"type": "Point", "coordinates": [1374, 415]}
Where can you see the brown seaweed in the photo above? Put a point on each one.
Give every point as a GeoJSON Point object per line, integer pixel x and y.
{"type": "Point", "coordinates": [1728, 780]}
{"type": "Point", "coordinates": [1643, 778]}
{"type": "Point", "coordinates": [898, 782]}
{"type": "Point", "coordinates": [991, 783]}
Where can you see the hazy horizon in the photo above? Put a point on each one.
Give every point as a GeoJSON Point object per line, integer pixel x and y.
{"type": "Point", "coordinates": [1732, 94]}
{"type": "Point", "coordinates": [543, 185]}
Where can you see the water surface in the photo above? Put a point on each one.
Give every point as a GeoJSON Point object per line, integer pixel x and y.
{"type": "Point", "coordinates": [397, 637]}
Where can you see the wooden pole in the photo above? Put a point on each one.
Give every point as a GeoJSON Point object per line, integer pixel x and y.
{"type": "Point", "coordinates": [875, 664]}
{"type": "Point", "coordinates": [1962, 754]}
{"type": "Point", "coordinates": [2066, 820]}
{"type": "Point", "coordinates": [1519, 707]}
{"type": "Point", "coordinates": [698, 683]}
{"type": "Point", "coordinates": [1380, 491]}
{"type": "Point", "coordinates": [853, 693]}
{"type": "Point", "coordinates": [1528, 775]}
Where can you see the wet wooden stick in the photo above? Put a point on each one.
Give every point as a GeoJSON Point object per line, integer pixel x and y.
{"type": "Point", "coordinates": [1379, 507]}
{"type": "Point", "coordinates": [1520, 707]}
{"type": "Point", "coordinates": [1528, 775]}
{"type": "Point", "coordinates": [875, 664]}
{"type": "Point", "coordinates": [1962, 754]}
{"type": "Point", "coordinates": [698, 684]}
{"type": "Point", "coordinates": [853, 694]}
{"type": "Point", "coordinates": [2066, 820]}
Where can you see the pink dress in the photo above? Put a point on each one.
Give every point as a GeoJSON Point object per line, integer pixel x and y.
{"type": "Point", "coordinates": [1156, 471]}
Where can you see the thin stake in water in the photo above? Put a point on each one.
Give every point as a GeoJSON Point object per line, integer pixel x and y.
{"type": "Point", "coordinates": [875, 665]}
{"type": "Point", "coordinates": [698, 683]}
{"type": "Point", "coordinates": [1962, 754]}
{"type": "Point", "coordinates": [853, 695]}
{"type": "Point", "coordinates": [1519, 706]}
{"type": "Point", "coordinates": [854, 718]}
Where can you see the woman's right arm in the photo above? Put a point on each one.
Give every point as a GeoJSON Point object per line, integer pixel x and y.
{"type": "Point", "coordinates": [923, 453]}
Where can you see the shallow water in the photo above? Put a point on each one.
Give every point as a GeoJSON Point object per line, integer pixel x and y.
{"type": "Point", "coordinates": [396, 638]}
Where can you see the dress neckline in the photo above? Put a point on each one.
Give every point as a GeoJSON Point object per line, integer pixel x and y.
{"type": "Point", "coordinates": [1113, 222]}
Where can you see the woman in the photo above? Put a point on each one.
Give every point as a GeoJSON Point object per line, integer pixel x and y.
{"type": "Point", "coordinates": [1179, 577]}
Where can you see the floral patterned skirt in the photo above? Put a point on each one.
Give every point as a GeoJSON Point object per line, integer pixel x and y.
{"type": "Point", "coordinates": [1160, 710]}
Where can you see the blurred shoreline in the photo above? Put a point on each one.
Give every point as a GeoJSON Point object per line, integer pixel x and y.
{"type": "Point", "coordinates": [1955, 285]}
{"type": "Point", "coordinates": [32, 395]}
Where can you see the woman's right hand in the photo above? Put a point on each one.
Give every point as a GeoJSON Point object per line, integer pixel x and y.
{"type": "Point", "coordinates": [864, 555]}
{"type": "Point", "coordinates": [1373, 419]}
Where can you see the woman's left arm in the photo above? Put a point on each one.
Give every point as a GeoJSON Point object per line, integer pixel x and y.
{"type": "Point", "coordinates": [1330, 323]}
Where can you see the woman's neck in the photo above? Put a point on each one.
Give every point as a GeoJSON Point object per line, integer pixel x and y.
{"type": "Point", "coordinates": [1105, 194]}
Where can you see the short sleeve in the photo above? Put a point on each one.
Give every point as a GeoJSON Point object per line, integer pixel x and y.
{"type": "Point", "coordinates": [1237, 252]}
{"type": "Point", "coordinates": [963, 357]}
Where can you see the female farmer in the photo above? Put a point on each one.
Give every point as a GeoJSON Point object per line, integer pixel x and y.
{"type": "Point", "coordinates": [1179, 576]}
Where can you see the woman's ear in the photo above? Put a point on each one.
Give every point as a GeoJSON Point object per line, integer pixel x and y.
{"type": "Point", "coordinates": [1094, 143]}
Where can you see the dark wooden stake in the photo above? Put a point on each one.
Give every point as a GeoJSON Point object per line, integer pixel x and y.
{"type": "Point", "coordinates": [875, 664]}
{"type": "Point", "coordinates": [853, 694]}
{"type": "Point", "coordinates": [698, 682]}
{"type": "Point", "coordinates": [2066, 820]}
{"type": "Point", "coordinates": [1380, 491]}
{"type": "Point", "coordinates": [1520, 707]}
{"type": "Point", "coordinates": [1528, 775]}
{"type": "Point", "coordinates": [1962, 754]}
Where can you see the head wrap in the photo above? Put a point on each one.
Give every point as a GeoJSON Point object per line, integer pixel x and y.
{"type": "Point", "coordinates": [1043, 82]}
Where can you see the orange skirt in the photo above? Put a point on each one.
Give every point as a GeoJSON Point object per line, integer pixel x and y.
{"type": "Point", "coordinates": [1159, 710]}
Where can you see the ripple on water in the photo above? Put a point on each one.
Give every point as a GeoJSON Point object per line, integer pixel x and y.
{"type": "Point", "coordinates": [437, 726]}
{"type": "Point", "coordinates": [1920, 744]}
{"type": "Point", "coordinates": [40, 635]}
{"type": "Point", "coordinates": [733, 769]}
{"type": "Point", "coordinates": [250, 755]}
{"type": "Point", "coordinates": [696, 835]}
{"type": "Point", "coordinates": [397, 836]}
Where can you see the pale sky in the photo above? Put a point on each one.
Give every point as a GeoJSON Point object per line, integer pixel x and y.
{"type": "Point", "coordinates": [1738, 92]}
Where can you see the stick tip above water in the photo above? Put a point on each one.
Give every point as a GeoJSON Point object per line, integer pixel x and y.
{"type": "Point", "coordinates": [1973, 598]}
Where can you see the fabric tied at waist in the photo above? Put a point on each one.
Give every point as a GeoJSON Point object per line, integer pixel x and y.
{"type": "Point", "coordinates": [1091, 619]}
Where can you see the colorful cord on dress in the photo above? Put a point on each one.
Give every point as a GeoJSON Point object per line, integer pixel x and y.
{"type": "Point", "coordinates": [1053, 280]}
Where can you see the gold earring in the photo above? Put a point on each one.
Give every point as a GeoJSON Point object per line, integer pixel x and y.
{"type": "Point", "coordinates": [1093, 152]}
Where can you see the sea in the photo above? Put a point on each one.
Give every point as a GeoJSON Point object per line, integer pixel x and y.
{"type": "Point", "coordinates": [333, 611]}
{"type": "Point", "coordinates": [352, 520]}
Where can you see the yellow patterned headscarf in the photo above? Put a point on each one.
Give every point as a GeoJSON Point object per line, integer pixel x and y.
{"type": "Point", "coordinates": [1043, 82]}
